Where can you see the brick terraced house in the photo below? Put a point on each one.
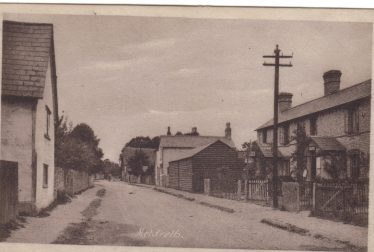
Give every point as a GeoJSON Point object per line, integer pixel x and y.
{"type": "Point", "coordinates": [29, 110]}
{"type": "Point", "coordinates": [338, 125]}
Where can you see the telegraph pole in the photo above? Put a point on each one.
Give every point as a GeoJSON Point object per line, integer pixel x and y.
{"type": "Point", "coordinates": [276, 66]}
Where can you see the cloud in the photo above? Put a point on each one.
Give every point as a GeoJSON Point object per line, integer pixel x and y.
{"type": "Point", "coordinates": [150, 45]}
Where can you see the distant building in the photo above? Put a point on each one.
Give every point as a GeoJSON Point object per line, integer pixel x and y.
{"type": "Point", "coordinates": [29, 110]}
{"type": "Point", "coordinates": [338, 125]}
{"type": "Point", "coordinates": [172, 147]}
{"type": "Point", "coordinates": [215, 161]}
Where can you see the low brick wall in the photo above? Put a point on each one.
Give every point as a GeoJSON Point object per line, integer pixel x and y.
{"type": "Point", "coordinates": [72, 181]}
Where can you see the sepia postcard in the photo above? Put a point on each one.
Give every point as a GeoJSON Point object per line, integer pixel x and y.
{"type": "Point", "coordinates": [160, 128]}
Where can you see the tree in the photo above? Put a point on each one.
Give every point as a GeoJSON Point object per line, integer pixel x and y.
{"type": "Point", "coordinates": [143, 142]}
{"type": "Point", "coordinates": [136, 163]}
{"type": "Point", "coordinates": [302, 141]}
{"type": "Point", "coordinates": [77, 148]}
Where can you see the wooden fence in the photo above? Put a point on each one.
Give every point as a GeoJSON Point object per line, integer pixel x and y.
{"type": "Point", "coordinates": [257, 190]}
{"type": "Point", "coordinates": [306, 195]}
{"type": "Point", "coordinates": [348, 201]}
{"type": "Point", "coordinates": [8, 191]}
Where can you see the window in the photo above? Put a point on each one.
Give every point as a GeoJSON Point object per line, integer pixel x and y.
{"type": "Point", "coordinates": [45, 176]}
{"type": "Point", "coordinates": [286, 131]}
{"type": "Point", "coordinates": [352, 121]}
{"type": "Point", "coordinates": [313, 126]}
{"type": "Point", "coordinates": [264, 136]}
{"type": "Point", "coordinates": [355, 166]}
{"type": "Point", "coordinates": [48, 122]}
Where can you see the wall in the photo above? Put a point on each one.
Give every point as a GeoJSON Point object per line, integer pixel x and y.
{"type": "Point", "coordinates": [206, 164]}
{"type": "Point", "coordinates": [45, 147]}
{"type": "Point", "coordinates": [165, 156]}
{"type": "Point", "coordinates": [72, 181]}
{"type": "Point", "coordinates": [16, 141]}
{"type": "Point", "coordinates": [180, 175]}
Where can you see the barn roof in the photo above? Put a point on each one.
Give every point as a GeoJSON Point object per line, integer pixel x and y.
{"type": "Point", "coordinates": [27, 48]}
{"type": "Point", "coordinates": [130, 151]}
{"type": "Point", "coordinates": [191, 141]}
{"type": "Point", "coordinates": [193, 152]}
{"type": "Point", "coordinates": [346, 95]}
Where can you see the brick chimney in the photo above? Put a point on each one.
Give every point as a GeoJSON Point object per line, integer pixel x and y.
{"type": "Point", "coordinates": [228, 131]}
{"type": "Point", "coordinates": [332, 81]}
{"type": "Point", "coordinates": [169, 132]}
{"type": "Point", "coordinates": [194, 130]}
{"type": "Point", "coordinates": [284, 101]}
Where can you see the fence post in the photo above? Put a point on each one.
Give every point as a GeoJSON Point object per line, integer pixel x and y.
{"type": "Point", "coordinates": [239, 192]}
{"type": "Point", "coordinates": [314, 196]}
{"type": "Point", "coordinates": [246, 189]}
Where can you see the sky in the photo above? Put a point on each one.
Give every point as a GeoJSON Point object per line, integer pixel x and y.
{"type": "Point", "coordinates": [135, 76]}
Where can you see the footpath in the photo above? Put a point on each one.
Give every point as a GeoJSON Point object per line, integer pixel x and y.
{"type": "Point", "coordinates": [298, 222]}
{"type": "Point", "coordinates": [45, 230]}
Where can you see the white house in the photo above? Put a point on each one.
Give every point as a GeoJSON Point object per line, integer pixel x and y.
{"type": "Point", "coordinates": [29, 110]}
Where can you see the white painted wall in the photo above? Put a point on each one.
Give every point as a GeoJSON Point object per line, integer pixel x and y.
{"type": "Point", "coordinates": [16, 141]}
{"type": "Point", "coordinates": [45, 147]}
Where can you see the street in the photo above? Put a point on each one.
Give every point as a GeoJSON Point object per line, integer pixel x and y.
{"type": "Point", "coordinates": [138, 216]}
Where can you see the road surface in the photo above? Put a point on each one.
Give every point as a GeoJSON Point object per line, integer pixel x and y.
{"type": "Point", "coordinates": [133, 215]}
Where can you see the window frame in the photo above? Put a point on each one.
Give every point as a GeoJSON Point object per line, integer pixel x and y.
{"type": "Point", "coordinates": [45, 175]}
{"type": "Point", "coordinates": [264, 136]}
{"type": "Point", "coordinates": [313, 126]}
{"type": "Point", "coordinates": [353, 120]}
{"type": "Point", "coordinates": [48, 123]}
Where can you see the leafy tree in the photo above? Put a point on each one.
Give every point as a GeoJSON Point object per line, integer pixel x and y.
{"type": "Point", "coordinates": [136, 163]}
{"type": "Point", "coordinates": [302, 141]}
{"type": "Point", "coordinates": [144, 142]}
{"type": "Point", "coordinates": [77, 148]}
{"type": "Point", "coordinates": [179, 133]}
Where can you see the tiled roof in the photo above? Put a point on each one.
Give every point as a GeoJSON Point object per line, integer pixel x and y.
{"type": "Point", "coordinates": [191, 141]}
{"type": "Point", "coordinates": [193, 152]}
{"type": "Point", "coordinates": [130, 151]}
{"type": "Point", "coordinates": [344, 96]}
{"type": "Point", "coordinates": [327, 143]}
{"type": "Point", "coordinates": [283, 151]}
{"type": "Point", "coordinates": [26, 53]}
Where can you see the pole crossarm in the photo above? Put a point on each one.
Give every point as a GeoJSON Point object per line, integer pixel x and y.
{"type": "Point", "coordinates": [281, 65]}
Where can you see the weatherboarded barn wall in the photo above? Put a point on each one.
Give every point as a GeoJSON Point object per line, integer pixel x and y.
{"type": "Point", "coordinates": [180, 175]}
{"type": "Point", "coordinates": [217, 162]}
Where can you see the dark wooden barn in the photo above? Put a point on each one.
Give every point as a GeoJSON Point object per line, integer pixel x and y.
{"type": "Point", "coordinates": [216, 161]}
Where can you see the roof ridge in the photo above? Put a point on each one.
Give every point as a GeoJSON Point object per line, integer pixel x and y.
{"type": "Point", "coordinates": [341, 90]}
{"type": "Point", "coordinates": [192, 136]}
{"type": "Point", "coordinates": [27, 23]}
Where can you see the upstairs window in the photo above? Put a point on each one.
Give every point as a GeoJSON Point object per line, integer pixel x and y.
{"type": "Point", "coordinates": [355, 166]}
{"type": "Point", "coordinates": [264, 136]}
{"type": "Point", "coordinates": [48, 122]}
{"type": "Point", "coordinates": [313, 126]}
{"type": "Point", "coordinates": [352, 126]}
{"type": "Point", "coordinates": [286, 132]}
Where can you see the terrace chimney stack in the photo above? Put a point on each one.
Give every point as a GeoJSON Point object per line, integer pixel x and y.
{"type": "Point", "coordinates": [284, 101]}
{"type": "Point", "coordinates": [228, 131]}
{"type": "Point", "coordinates": [169, 132]}
{"type": "Point", "coordinates": [332, 81]}
{"type": "Point", "coordinates": [194, 131]}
